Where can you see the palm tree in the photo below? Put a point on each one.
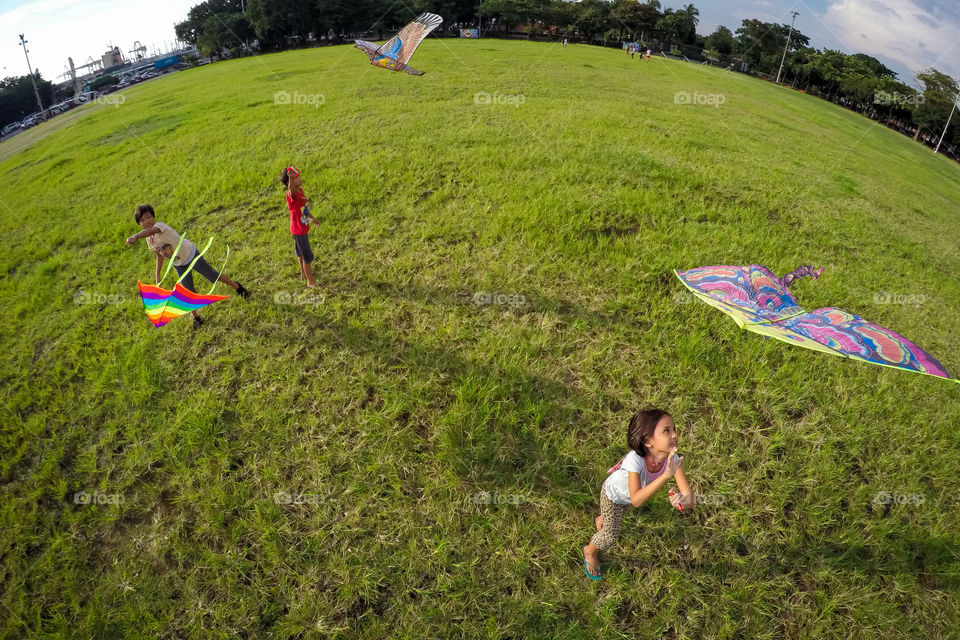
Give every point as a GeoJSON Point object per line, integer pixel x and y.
{"type": "Point", "coordinates": [692, 13]}
{"type": "Point", "coordinates": [654, 3]}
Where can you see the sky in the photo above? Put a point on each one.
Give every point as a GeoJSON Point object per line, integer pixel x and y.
{"type": "Point", "coordinates": [906, 35]}
{"type": "Point", "coordinates": [56, 29]}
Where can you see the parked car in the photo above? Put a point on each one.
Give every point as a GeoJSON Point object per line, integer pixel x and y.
{"type": "Point", "coordinates": [10, 128]}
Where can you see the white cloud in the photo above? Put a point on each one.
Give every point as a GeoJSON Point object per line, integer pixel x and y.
{"type": "Point", "coordinates": [899, 30]}
{"type": "Point", "coordinates": [57, 29]}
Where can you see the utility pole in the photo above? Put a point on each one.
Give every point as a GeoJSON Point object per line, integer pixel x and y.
{"type": "Point", "coordinates": [23, 43]}
{"type": "Point", "coordinates": [937, 150]}
{"type": "Point", "coordinates": [786, 46]}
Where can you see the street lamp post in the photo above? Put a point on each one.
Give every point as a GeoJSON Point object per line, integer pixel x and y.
{"type": "Point", "coordinates": [784, 57]}
{"type": "Point", "coordinates": [23, 43]}
{"type": "Point", "coordinates": [954, 108]}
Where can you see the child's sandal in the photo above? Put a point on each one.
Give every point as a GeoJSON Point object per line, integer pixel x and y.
{"type": "Point", "coordinates": [586, 568]}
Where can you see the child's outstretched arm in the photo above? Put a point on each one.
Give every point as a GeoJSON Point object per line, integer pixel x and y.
{"type": "Point", "coordinates": [143, 234]}
{"type": "Point", "coordinates": [156, 278]}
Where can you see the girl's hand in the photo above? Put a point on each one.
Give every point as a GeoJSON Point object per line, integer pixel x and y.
{"type": "Point", "coordinates": [132, 240]}
{"type": "Point", "coordinates": [673, 465]}
{"type": "Point", "coordinates": [676, 499]}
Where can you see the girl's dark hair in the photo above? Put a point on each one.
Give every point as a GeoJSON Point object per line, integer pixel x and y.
{"type": "Point", "coordinates": [642, 425]}
{"type": "Point", "coordinates": [142, 209]}
{"type": "Point", "coordinates": [284, 178]}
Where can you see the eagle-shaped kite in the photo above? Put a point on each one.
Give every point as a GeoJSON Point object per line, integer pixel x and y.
{"type": "Point", "coordinates": [396, 53]}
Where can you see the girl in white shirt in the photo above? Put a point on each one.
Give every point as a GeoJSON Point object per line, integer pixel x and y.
{"type": "Point", "coordinates": [652, 460]}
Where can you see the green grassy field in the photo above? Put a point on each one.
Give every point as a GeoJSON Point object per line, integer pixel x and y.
{"type": "Point", "coordinates": [449, 455]}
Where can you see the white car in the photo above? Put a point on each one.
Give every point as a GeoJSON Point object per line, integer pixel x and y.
{"type": "Point", "coordinates": [10, 128]}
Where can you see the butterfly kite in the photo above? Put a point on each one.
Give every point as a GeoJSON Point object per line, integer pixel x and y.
{"type": "Point", "coordinates": [163, 305]}
{"type": "Point", "coordinates": [396, 52]}
{"type": "Point", "coordinates": [760, 302]}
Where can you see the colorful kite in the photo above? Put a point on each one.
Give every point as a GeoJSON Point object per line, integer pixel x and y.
{"type": "Point", "coordinates": [163, 305]}
{"type": "Point", "coordinates": [759, 301]}
{"type": "Point", "coordinates": [396, 53]}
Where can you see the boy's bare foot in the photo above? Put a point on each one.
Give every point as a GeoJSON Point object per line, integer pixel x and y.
{"type": "Point", "coordinates": [311, 284]}
{"type": "Point", "coordinates": [599, 523]}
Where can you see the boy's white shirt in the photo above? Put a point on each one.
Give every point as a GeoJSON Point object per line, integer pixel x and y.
{"type": "Point", "coordinates": [170, 237]}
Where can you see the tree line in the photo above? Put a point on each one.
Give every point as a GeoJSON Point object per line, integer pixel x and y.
{"type": "Point", "coordinates": [17, 99]}
{"type": "Point", "coordinates": [857, 81]}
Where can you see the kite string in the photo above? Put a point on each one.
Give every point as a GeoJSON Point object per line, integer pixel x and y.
{"type": "Point", "coordinates": [170, 263]}
{"type": "Point", "coordinates": [199, 255]}
{"type": "Point", "coordinates": [220, 273]}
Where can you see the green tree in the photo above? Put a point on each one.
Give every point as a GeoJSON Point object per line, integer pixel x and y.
{"type": "Point", "coordinates": [512, 13]}
{"type": "Point", "coordinates": [223, 31]}
{"type": "Point", "coordinates": [673, 27]}
{"type": "Point", "coordinates": [274, 20]}
{"type": "Point", "coordinates": [191, 29]}
{"type": "Point", "coordinates": [17, 99]}
{"type": "Point", "coordinates": [939, 93]}
{"type": "Point", "coordinates": [691, 17]}
{"type": "Point", "coordinates": [721, 40]}
{"type": "Point", "coordinates": [635, 18]}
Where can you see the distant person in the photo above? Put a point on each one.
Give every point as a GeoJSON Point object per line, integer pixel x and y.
{"type": "Point", "coordinates": [299, 221]}
{"type": "Point", "coordinates": [162, 240]}
{"type": "Point", "coordinates": [648, 54]}
{"type": "Point", "coordinates": [651, 461]}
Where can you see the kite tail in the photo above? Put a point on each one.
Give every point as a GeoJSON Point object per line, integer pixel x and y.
{"type": "Point", "coordinates": [800, 272]}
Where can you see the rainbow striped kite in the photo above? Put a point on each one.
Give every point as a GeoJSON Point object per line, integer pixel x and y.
{"type": "Point", "coordinates": [163, 305]}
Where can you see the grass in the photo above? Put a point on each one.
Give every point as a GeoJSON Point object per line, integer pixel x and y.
{"type": "Point", "coordinates": [391, 401]}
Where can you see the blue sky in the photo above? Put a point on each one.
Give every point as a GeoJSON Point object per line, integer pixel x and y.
{"type": "Point", "coordinates": [906, 35]}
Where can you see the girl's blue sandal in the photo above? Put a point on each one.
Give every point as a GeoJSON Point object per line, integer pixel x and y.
{"type": "Point", "coordinates": [586, 568]}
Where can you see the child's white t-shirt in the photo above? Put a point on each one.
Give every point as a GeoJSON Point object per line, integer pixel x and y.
{"type": "Point", "coordinates": [170, 237]}
{"type": "Point", "coordinates": [617, 485]}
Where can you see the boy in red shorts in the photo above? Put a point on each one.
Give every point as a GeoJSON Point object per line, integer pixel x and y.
{"type": "Point", "coordinates": [299, 222]}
